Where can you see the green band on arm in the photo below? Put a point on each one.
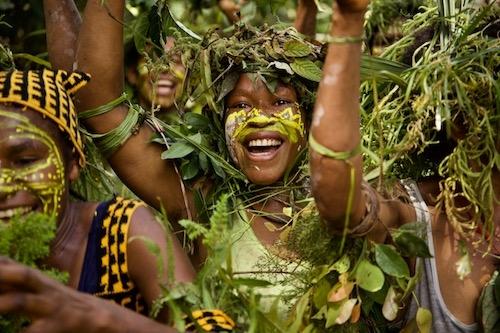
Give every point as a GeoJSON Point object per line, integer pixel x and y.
{"type": "Point", "coordinates": [103, 108]}
{"type": "Point", "coordinates": [109, 142]}
{"type": "Point", "coordinates": [344, 39]}
{"type": "Point", "coordinates": [326, 152]}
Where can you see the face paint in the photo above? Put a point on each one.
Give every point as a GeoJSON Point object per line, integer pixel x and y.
{"type": "Point", "coordinates": [239, 125]}
{"type": "Point", "coordinates": [44, 178]}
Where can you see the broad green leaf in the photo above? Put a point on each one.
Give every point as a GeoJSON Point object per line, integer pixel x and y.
{"type": "Point", "coordinates": [295, 48]}
{"type": "Point", "coordinates": [196, 121]}
{"type": "Point", "coordinates": [488, 310]}
{"type": "Point", "coordinates": [390, 261]}
{"type": "Point", "coordinates": [177, 150]}
{"type": "Point", "coordinates": [369, 277]}
{"type": "Point", "coordinates": [424, 320]}
{"type": "Point", "coordinates": [321, 293]}
{"type": "Point", "coordinates": [189, 169]}
{"type": "Point", "coordinates": [411, 245]}
{"type": "Point", "coordinates": [332, 314]}
{"type": "Point", "coordinates": [307, 69]}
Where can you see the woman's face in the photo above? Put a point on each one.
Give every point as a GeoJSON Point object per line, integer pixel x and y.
{"type": "Point", "coordinates": [264, 130]}
{"type": "Point", "coordinates": [32, 169]}
{"type": "Point", "coordinates": [164, 87]}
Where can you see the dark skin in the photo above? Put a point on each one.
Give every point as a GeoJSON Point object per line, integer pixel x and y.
{"type": "Point", "coordinates": [336, 125]}
{"type": "Point", "coordinates": [75, 218]}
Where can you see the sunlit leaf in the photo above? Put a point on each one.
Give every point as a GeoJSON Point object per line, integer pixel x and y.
{"type": "Point", "coordinates": [307, 69]}
{"type": "Point", "coordinates": [369, 277]}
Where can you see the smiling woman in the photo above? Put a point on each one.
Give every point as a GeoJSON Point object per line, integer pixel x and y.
{"type": "Point", "coordinates": [98, 244]}
{"type": "Point", "coordinates": [31, 166]}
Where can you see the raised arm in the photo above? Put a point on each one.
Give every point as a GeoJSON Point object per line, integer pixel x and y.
{"type": "Point", "coordinates": [336, 163]}
{"type": "Point", "coordinates": [305, 19]}
{"type": "Point", "coordinates": [137, 162]}
{"type": "Point", "coordinates": [62, 24]}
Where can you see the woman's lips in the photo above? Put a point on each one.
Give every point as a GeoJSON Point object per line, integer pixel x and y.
{"type": "Point", "coordinates": [262, 146]}
{"type": "Point", "coordinates": [165, 87]}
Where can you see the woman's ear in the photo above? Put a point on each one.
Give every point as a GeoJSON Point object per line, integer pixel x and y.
{"type": "Point", "coordinates": [73, 170]}
{"type": "Point", "coordinates": [131, 74]}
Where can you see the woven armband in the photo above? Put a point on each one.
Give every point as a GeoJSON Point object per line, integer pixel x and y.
{"type": "Point", "coordinates": [372, 211]}
{"type": "Point", "coordinates": [103, 108]}
{"type": "Point", "coordinates": [326, 152]}
{"type": "Point", "coordinates": [109, 142]}
{"type": "Point", "coordinates": [344, 39]}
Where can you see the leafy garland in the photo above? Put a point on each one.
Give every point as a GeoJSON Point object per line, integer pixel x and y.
{"type": "Point", "coordinates": [450, 89]}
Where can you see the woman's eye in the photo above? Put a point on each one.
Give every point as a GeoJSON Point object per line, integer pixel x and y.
{"type": "Point", "coordinates": [240, 105]}
{"type": "Point", "coordinates": [25, 161]}
{"type": "Point", "coordinates": [280, 102]}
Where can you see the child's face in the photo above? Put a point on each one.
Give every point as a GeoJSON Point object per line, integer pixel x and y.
{"type": "Point", "coordinates": [32, 169]}
{"type": "Point", "coordinates": [264, 130]}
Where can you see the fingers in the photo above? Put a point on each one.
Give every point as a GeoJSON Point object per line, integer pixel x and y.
{"type": "Point", "coordinates": [20, 277]}
{"type": "Point", "coordinates": [24, 303]}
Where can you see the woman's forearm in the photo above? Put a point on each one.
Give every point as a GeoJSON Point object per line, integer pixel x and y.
{"type": "Point", "coordinates": [336, 123]}
{"type": "Point", "coordinates": [62, 24]}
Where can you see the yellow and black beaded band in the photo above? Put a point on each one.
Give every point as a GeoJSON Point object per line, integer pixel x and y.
{"type": "Point", "coordinates": [49, 93]}
{"type": "Point", "coordinates": [212, 320]}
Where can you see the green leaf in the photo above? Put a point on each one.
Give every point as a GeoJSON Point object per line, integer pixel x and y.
{"type": "Point", "coordinates": [217, 168]}
{"type": "Point", "coordinates": [255, 283]}
{"type": "Point", "coordinates": [411, 245]}
{"type": "Point", "coordinates": [295, 48]}
{"type": "Point", "coordinates": [321, 293]}
{"type": "Point", "coordinates": [177, 150]}
{"type": "Point", "coordinates": [196, 121]}
{"type": "Point", "coordinates": [140, 30]}
{"type": "Point", "coordinates": [228, 85]}
{"type": "Point", "coordinates": [424, 320]}
{"type": "Point", "coordinates": [189, 169]}
{"type": "Point", "coordinates": [307, 69]}
{"type": "Point", "coordinates": [332, 314]}
{"type": "Point", "coordinates": [488, 310]}
{"type": "Point", "coordinates": [342, 265]}
{"type": "Point", "coordinates": [369, 277]}
{"type": "Point", "coordinates": [390, 261]}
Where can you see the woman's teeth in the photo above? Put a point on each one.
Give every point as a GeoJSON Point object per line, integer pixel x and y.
{"type": "Point", "coordinates": [8, 213]}
{"type": "Point", "coordinates": [264, 143]}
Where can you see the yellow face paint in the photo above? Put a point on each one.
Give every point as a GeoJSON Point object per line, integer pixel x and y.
{"type": "Point", "coordinates": [44, 178]}
{"type": "Point", "coordinates": [288, 122]}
